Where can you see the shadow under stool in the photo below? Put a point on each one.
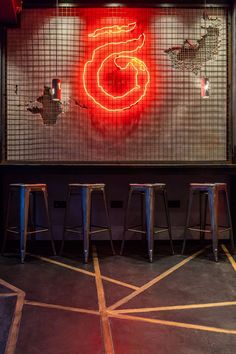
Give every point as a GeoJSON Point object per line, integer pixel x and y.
{"type": "Point", "coordinates": [25, 192]}
{"type": "Point", "coordinates": [148, 193]}
{"type": "Point", "coordinates": [209, 194]}
{"type": "Point", "coordinates": [86, 193]}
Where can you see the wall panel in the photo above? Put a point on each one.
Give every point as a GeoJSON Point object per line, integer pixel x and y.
{"type": "Point", "coordinates": [128, 104]}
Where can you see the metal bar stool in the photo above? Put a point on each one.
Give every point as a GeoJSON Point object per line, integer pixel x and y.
{"type": "Point", "coordinates": [25, 191]}
{"type": "Point", "coordinates": [86, 228]}
{"type": "Point", "coordinates": [209, 192]}
{"type": "Point", "coordinates": [148, 193]}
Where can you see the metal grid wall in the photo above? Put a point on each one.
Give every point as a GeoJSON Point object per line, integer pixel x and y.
{"type": "Point", "coordinates": [171, 123]}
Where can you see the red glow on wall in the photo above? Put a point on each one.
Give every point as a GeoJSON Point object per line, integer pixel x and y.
{"type": "Point", "coordinates": [115, 79]}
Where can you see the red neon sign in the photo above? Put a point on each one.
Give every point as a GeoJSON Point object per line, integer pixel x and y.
{"type": "Point", "coordinates": [115, 60]}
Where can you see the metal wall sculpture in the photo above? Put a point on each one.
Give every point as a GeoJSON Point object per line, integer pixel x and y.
{"type": "Point", "coordinates": [192, 56]}
{"type": "Point", "coordinates": [46, 106]}
{"type": "Point", "coordinates": [122, 100]}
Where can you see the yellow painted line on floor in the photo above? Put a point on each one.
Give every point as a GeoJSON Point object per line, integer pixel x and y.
{"type": "Point", "coordinates": [118, 282]}
{"type": "Point", "coordinates": [64, 265]}
{"type": "Point", "coordinates": [177, 307]}
{"type": "Point", "coordinates": [60, 307]}
{"type": "Point", "coordinates": [80, 270]}
{"type": "Point", "coordinates": [8, 294]}
{"type": "Point", "coordinates": [15, 325]}
{"type": "Point", "coordinates": [155, 280]}
{"type": "Point", "coordinates": [10, 286]}
{"type": "Point", "coordinates": [172, 323]}
{"type": "Point", "coordinates": [230, 258]}
{"type": "Point", "coordinates": [106, 330]}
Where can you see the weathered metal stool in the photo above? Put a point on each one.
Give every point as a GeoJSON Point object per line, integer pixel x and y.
{"type": "Point", "coordinates": [25, 190]}
{"type": "Point", "coordinates": [86, 228]}
{"type": "Point", "coordinates": [209, 192]}
{"type": "Point", "coordinates": [148, 193]}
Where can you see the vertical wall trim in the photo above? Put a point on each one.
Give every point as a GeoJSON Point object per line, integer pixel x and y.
{"type": "Point", "coordinates": [233, 79]}
{"type": "Point", "coordinates": [2, 91]}
{"type": "Point", "coordinates": [230, 140]}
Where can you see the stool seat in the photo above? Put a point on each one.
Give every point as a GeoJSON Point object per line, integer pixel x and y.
{"type": "Point", "coordinates": [148, 192]}
{"type": "Point", "coordinates": [87, 185]}
{"type": "Point", "coordinates": [211, 193]}
{"type": "Point", "coordinates": [85, 190]}
{"type": "Point", "coordinates": [25, 190]}
{"type": "Point", "coordinates": [145, 186]}
{"type": "Point", "coordinates": [207, 186]}
{"type": "Point", "coordinates": [28, 185]}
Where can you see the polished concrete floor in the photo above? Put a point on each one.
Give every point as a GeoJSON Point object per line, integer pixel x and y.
{"type": "Point", "coordinates": [118, 304]}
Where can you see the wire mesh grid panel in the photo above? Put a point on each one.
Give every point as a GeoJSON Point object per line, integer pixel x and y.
{"type": "Point", "coordinates": [131, 85]}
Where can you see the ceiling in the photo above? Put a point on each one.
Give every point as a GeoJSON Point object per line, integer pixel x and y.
{"type": "Point", "coordinates": [10, 9]}
{"type": "Point", "coordinates": [131, 3]}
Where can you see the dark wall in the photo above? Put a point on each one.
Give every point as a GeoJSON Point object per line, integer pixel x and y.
{"type": "Point", "coordinates": [117, 180]}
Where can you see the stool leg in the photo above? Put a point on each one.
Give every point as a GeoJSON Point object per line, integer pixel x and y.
{"type": "Point", "coordinates": [187, 219]}
{"type": "Point", "coordinates": [213, 206]}
{"type": "Point", "coordinates": [230, 221]}
{"type": "Point", "coordinates": [125, 220]}
{"type": "Point", "coordinates": [142, 215]}
{"type": "Point", "coordinates": [86, 214]}
{"type": "Point", "coordinates": [203, 213]}
{"type": "Point", "coordinates": [24, 211]}
{"type": "Point", "coordinates": [45, 195]}
{"type": "Point", "coordinates": [200, 215]}
{"type": "Point", "coordinates": [32, 214]}
{"type": "Point", "coordinates": [149, 211]}
{"type": "Point", "coordinates": [168, 220]}
{"type": "Point", "coordinates": [6, 222]}
{"type": "Point", "coordinates": [108, 220]}
{"type": "Point", "coordinates": [65, 219]}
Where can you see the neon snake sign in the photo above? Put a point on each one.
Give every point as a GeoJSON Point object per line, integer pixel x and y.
{"type": "Point", "coordinates": [115, 60]}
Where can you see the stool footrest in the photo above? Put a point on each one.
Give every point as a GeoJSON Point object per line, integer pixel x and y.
{"type": "Point", "coordinates": [144, 232]}
{"type": "Point", "coordinates": [34, 232]}
{"type": "Point", "coordinates": [28, 232]}
{"type": "Point", "coordinates": [10, 229]}
{"type": "Point", "coordinates": [135, 230]}
{"type": "Point", "coordinates": [161, 230]}
{"type": "Point", "coordinates": [225, 229]}
{"type": "Point", "coordinates": [198, 229]}
{"type": "Point", "coordinates": [209, 231]}
{"type": "Point", "coordinates": [97, 231]}
{"type": "Point", "coordinates": [73, 230]}
{"type": "Point", "coordinates": [100, 226]}
{"type": "Point", "coordinates": [79, 231]}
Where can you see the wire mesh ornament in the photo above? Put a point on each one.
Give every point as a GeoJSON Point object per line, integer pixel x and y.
{"type": "Point", "coordinates": [192, 57]}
